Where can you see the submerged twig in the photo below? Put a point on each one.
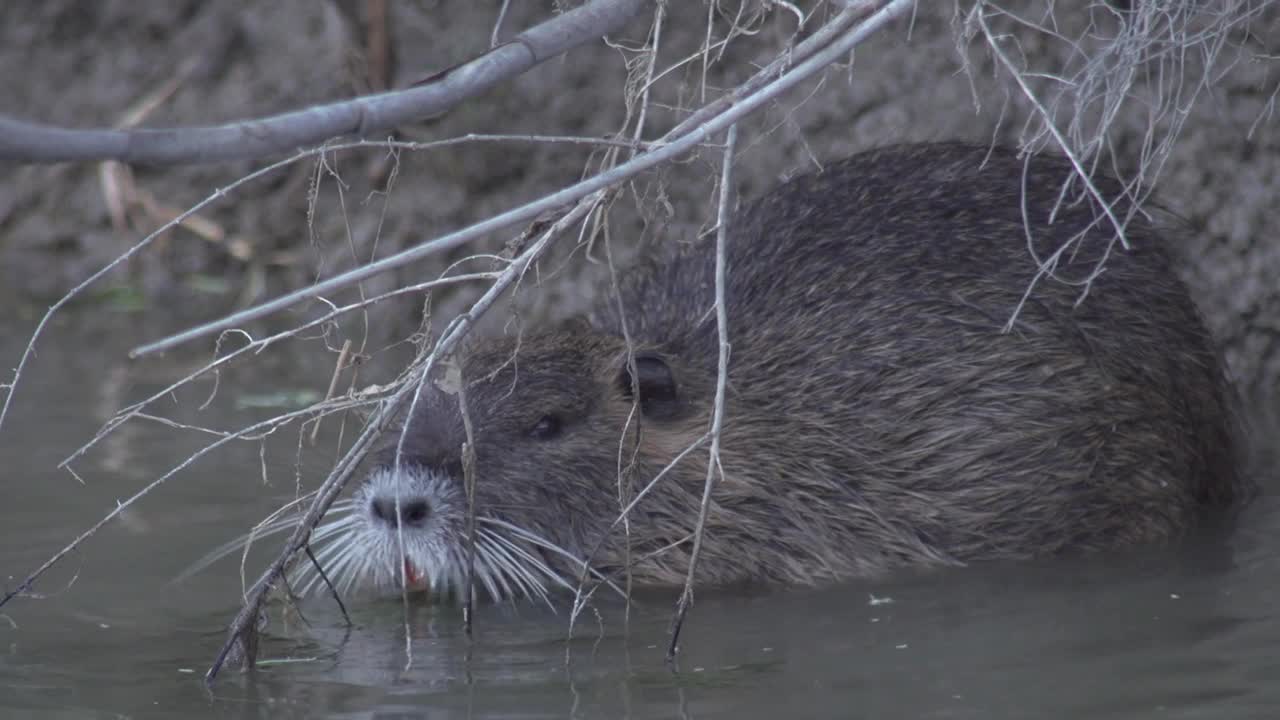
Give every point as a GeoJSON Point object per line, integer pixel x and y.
{"type": "Point", "coordinates": [333, 592]}
{"type": "Point", "coordinates": [242, 638]}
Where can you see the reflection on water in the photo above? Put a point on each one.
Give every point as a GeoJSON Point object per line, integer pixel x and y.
{"type": "Point", "coordinates": [1187, 632]}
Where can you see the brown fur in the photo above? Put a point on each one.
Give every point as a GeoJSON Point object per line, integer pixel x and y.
{"type": "Point", "coordinates": [877, 416]}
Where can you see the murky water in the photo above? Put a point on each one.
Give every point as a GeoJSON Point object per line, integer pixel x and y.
{"type": "Point", "coordinates": [1186, 632]}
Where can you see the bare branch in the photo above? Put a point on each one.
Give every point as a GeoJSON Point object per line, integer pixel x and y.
{"type": "Point", "coordinates": [681, 140]}
{"type": "Point", "coordinates": [31, 142]}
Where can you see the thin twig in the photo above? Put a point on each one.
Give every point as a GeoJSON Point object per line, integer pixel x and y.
{"type": "Point", "coordinates": [258, 346]}
{"type": "Point", "coordinates": [1058, 137]}
{"type": "Point", "coordinates": [625, 473]}
{"type": "Point", "coordinates": [581, 592]}
{"type": "Point", "coordinates": [333, 591]}
{"type": "Point", "coordinates": [469, 486]}
{"type": "Point", "coordinates": [497, 24]}
{"type": "Point", "coordinates": [338, 366]}
{"type": "Point", "coordinates": [714, 470]}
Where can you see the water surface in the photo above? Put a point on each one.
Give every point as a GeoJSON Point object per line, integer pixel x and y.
{"type": "Point", "coordinates": [1183, 632]}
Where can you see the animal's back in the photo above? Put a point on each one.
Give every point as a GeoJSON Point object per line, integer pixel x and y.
{"type": "Point", "coordinates": [871, 371]}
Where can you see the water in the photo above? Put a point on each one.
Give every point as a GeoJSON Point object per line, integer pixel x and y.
{"type": "Point", "coordinates": [1176, 633]}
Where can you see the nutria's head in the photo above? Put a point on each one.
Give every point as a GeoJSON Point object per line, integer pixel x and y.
{"type": "Point", "coordinates": [555, 418]}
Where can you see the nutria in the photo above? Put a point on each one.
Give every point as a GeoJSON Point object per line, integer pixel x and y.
{"type": "Point", "coordinates": [879, 414]}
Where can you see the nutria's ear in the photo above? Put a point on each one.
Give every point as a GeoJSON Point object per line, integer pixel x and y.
{"type": "Point", "coordinates": [575, 325]}
{"type": "Point", "coordinates": [659, 399]}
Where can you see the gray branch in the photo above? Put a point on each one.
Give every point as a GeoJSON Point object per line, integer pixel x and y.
{"type": "Point", "coordinates": [359, 118]}
{"type": "Point", "coordinates": [877, 13]}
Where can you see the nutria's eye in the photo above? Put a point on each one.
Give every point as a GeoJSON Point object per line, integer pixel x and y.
{"type": "Point", "coordinates": [547, 428]}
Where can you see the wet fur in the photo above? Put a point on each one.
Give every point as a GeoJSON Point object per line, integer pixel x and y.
{"type": "Point", "coordinates": [878, 417]}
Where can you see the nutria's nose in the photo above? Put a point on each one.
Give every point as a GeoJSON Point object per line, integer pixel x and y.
{"type": "Point", "coordinates": [413, 511]}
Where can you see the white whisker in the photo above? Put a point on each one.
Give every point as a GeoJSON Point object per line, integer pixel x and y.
{"type": "Point", "coordinates": [513, 554]}
{"type": "Point", "coordinates": [548, 545]}
{"type": "Point", "coordinates": [517, 571]}
{"type": "Point", "coordinates": [355, 549]}
{"type": "Point", "coordinates": [271, 525]}
{"type": "Point", "coordinates": [509, 546]}
{"type": "Point", "coordinates": [485, 572]}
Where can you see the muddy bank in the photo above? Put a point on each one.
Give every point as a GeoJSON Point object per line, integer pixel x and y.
{"type": "Point", "coordinates": [90, 64]}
